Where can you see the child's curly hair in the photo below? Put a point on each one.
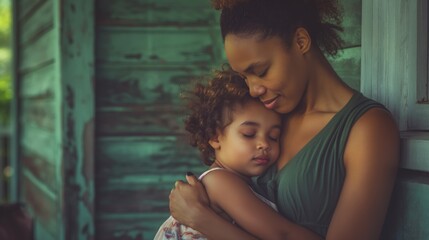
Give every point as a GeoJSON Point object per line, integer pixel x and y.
{"type": "Point", "coordinates": [210, 109]}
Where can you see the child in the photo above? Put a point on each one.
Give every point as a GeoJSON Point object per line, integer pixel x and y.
{"type": "Point", "coordinates": [239, 139]}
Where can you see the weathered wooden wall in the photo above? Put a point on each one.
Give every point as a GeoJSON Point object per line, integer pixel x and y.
{"type": "Point", "coordinates": [39, 116]}
{"type": "Point", "coordinates": [348, 62]}
{"type": "Point", "coordinates": [54, 73]}
{"type": "Point", "coordinates": [147, 52]}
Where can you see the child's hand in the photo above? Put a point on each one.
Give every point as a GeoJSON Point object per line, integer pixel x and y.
{"type": "Point", "coordinates": [188, 201]}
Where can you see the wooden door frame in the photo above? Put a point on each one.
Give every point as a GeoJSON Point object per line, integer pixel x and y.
{"type": "Point", "coordinates": [391, 64]}
{"type": "Point", "coordinates": [14, 187]}
{"type": "Point", "coordinates": [74, 26]}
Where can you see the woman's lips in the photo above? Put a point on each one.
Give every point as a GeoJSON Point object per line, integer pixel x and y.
{"type": "Point", "coordinates": [270, 104]}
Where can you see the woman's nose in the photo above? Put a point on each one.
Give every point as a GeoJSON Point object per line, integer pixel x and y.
{"type": "Point", "coordinates": [255, 89]}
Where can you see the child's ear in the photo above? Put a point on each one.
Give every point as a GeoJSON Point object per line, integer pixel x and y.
{"type": "Point", "coordinates": [214, 142]}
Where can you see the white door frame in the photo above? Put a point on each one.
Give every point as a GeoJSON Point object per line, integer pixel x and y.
{"type": "Point", "coordinates": [394, 63]}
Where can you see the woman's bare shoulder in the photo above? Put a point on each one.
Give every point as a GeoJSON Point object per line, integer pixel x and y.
{"type": "Point", "coordinates": [376, 116]}
{"type": "Point", "coordinates": [375, 133]}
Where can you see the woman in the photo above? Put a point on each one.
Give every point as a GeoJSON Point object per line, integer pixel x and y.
{"type": "Point", "coordinates": [340, 150]}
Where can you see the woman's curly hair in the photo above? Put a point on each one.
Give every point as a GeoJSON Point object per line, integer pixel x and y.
{"type": "Point", "coordinates": [321, 18]}
{"type": "Point", "coordinates": [210, 107]}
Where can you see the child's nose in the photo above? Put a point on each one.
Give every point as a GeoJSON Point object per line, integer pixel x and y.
{"type": "Point", "coordinates": [263, 145]}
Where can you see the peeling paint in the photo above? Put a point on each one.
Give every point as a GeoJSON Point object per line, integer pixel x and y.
{"type": "Point", "coordinates": [88, 146]}
{"type": "Point", "coordinates": [70, 165]}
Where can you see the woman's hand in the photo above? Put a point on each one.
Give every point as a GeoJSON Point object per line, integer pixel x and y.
{"type": "Point", "coordinates": [188, 201]}
{"type": "Point", "coordinates": [190, 205]}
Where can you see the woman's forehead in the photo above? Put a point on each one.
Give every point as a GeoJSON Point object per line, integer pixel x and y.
{"type": "Point", "coordinates": [244, 51]}
{"type": "Point", "coordinates": [241, 52]}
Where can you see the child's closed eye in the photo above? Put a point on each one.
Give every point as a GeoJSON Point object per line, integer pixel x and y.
{"type": "Point", "coordinates": [274, 135]}
{"type": "Point", "coordinates": [248, 135]}
{"type": "Point", "coordinates": [274, 138]}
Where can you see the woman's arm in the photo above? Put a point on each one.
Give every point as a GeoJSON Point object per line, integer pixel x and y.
{"type": "Point", "coordinates": [234, 196]}
{"type": "Point", "coordinates": [371, 159]}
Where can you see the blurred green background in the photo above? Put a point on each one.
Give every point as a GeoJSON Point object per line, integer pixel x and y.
{"type": "Point", "coordinates": [5, 61]}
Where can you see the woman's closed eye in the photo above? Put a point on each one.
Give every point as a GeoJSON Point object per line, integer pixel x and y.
{"type": "Point", "coordinates": [263, 73]}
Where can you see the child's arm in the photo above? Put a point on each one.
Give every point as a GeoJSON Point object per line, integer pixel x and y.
{"type": "Point", "coordinates": [234, 196]}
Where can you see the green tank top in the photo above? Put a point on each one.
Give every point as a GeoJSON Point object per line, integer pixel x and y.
{"type": "Point", "coordinates": [307, 188]}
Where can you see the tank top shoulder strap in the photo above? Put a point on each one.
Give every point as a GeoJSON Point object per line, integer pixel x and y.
{"type": "Point", "coordinates": [358, 106]}
{"type": "Point", "coordinates": [209, 171]}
